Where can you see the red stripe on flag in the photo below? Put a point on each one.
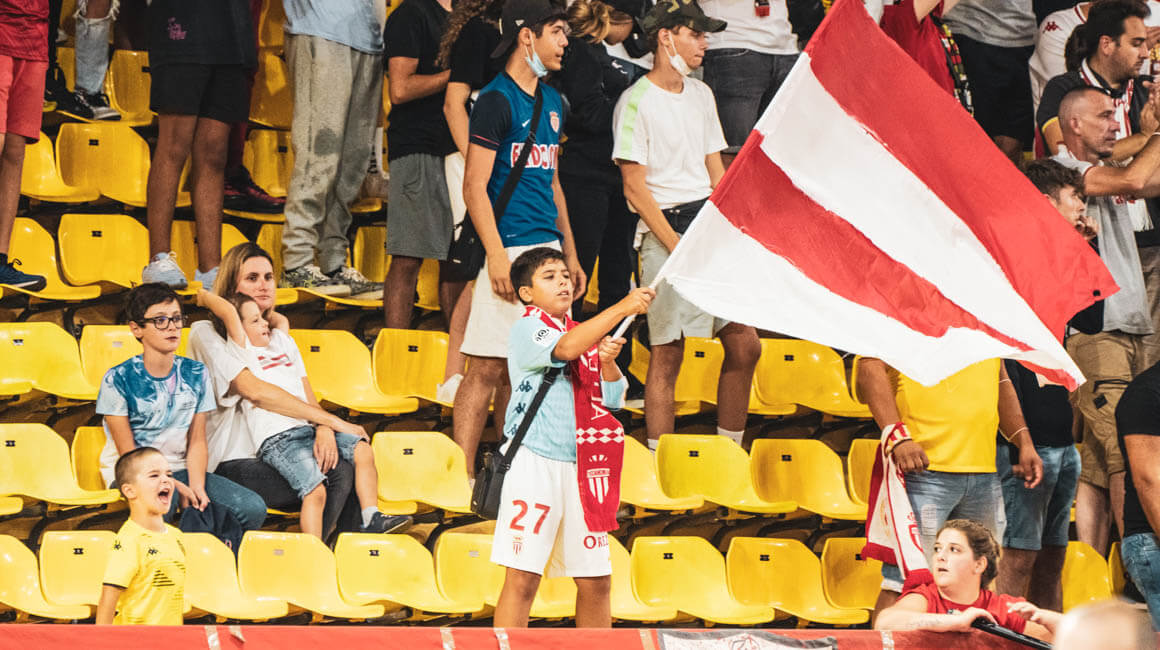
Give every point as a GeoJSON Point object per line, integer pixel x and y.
{"type": "Point", "coordinates": [759, 199]}
{"type": "Point", "coordinates": [925, 128]}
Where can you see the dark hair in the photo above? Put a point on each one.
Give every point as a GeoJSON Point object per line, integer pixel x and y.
{"type": "Point", "coordinates": [126, 467]}
{"type": "Point", "coordinates": [982, 544]}
{"type": "Point", "coordinates": [1105, 18]}
{"type": "Point", "coordinates": [528, 263]}
{"type": "Point", "coordinates": [488, 11]}
{"type": "Point", "coordinates": [237, 300]}
{"type": "Point", "coordinates": [1049, 176]}
{"type": "Point", "coordinates": [144, 296]}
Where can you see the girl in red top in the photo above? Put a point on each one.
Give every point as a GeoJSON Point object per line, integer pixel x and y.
{"type": "Point", "coordinates": [965, 562]}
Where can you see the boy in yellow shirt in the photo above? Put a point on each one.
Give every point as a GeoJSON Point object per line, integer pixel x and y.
{"type": "Point", "coordinates": [145, 579]}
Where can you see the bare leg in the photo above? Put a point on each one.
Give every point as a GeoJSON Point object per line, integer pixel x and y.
{"type": "Point", "coordinates": [1015, 571]}
{"type": "Point", "coordinates": [1046, 589]}
{"type": "Point", "coordinates": [515, 600]}
{"type": "Point", "coordinates": [366, 476]}
{"type": "Point", "coordinates": [456, 326]}
{"type": "Point", "coordinates": [660, 382]}
{"type": "Point", "coordinates": [1116, 496]}
{"type": "Point", "coordinates": [210, 147]}
{"type": "Point", "coordinates": [594, 602]}
{"type": "Point", "coordinates": [10, 169]}
{"type": "Point", "coordinates": [310, 519]}
{"type": "Point", "coordinates": [449, 294]}
{"type": "Point", "coordinates": [1092, 519]}
{"type": "Point", "coordinates": [399, 291]}
{"type": "Point", "coordinates": [742, 348]}
{"type": "Point", "coordinates": [174, 139]}
{"type": "Point", "coordinates": [484, 374]}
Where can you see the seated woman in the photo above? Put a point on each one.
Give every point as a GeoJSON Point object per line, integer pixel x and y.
{"type": "Point", "coordinates": [965, 562]}
{"type": "Point", "coordinates": [248, 269]}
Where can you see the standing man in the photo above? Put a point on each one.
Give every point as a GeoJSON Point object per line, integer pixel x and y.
{"type": "Point", "coordinates": [419, 222]}
{"type": "Point", "coordinates": [534, 36]}
{"type": "Point", "coordinates": [668, 143]}
{"type": "Point", "coordinates": [1138, 421]}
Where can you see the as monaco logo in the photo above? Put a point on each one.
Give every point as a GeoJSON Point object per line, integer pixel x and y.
{"type": "Point", "coordinates": [554, 120]}
{"type": "Point", "coordinates": [517, 545]}
{"type": "Point", "coordinates": [598, 478]}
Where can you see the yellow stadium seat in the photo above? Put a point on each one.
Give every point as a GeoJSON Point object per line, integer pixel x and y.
{"type": "Point", "coordinates": [1085, 576]}
{"type": "Point", "coordinates": [299, 569]}
{"type": "Point", "coordinates": [367, 252]}
{"type": "Point", "coordinates": [639, 485]}
{"type": "Point", "coordinates": [270, 22]}
{"type": "Point", "coordinates": [40, 177]}
{"type": "Point", "coordinates": [422, 466]}
{"type": "Point", "coordinates": [859, 466]}
{"type": "Point", "coordinates": [211, 583]}
{"type": "Point", "coordinates": [111, 155]}
{"type": "Point", "coordinates": [688, 574]}
{"type": "Point", "coordinates": [128, 84]}
{"type": "Point", "coordinates": [45, 356]}
{"type": "Point", "coordinates": [34, 247]}
{"type": "Point", "coordinates": [66, 58]}
{"type": "Point", "coordinates": [72, 565]}
{"type": "Point", "coordinates": [106, 249]}
{"type": "Point", "coordinates": [20, 585]}
{"type": "Point", "coordinates": [850, 581]}
{"type": "Point", "coordinates": [78, 154]}
{"type": "Point", "coordinates": [1117, 575]}
{"type": "Point", "coordinates": [183, 240]}
{"type": "Point", "coordinates": [272, 101]}
{"type": "Point", "coordinates": [802, 372]}
{"type": "Point", "coordinates": [339, 367]}
{"type": "Point", "coordinates": [10, 505]}
{"type": "Point", "coordinates": [34, 462]}
{"type": "Point", "coordinates": [625, 605]}
{"type": "Point", "coordinates": [86, 457]}
{"type": "Point", "coordinates": [410, 362]}
{"type": "Point", "coordinates": [785, 575]}
{"type": "Point", "coordinates": [687, 393]}
{"type": "Point", "coordinates": [394, 571]}
{"type": "Point", "coordinates": [464, 571]}
{"type": "Point", "coordinates": [270, 159]}
{"type": "Point", "coordinates": [714, 468]}
{"type": "Point", "coordinates": [270, 239]}
{"type": "Point", "coordinates": [104, 346]}
{"type": "Point", "coordinates": [805, 471]}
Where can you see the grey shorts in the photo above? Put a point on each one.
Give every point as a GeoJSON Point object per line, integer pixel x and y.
{"type": "Point", "coordinates": [291, 453]}
{"type": "Point", "coordinates": [671, 317]}
{"type": "Point", "coordinates": [419, 219]}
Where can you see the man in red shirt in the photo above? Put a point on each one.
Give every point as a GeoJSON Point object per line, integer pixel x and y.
{"type": "Point", "coordinates": [917, 27]}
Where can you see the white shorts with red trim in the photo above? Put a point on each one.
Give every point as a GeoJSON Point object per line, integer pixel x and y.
{"type": "Point", "coordinates": [540, 528]}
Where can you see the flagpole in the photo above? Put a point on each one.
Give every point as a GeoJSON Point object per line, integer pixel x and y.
{"type": "Point", "coordinates": [653, 285]}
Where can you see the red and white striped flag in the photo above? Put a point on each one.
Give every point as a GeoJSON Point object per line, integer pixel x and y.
{"type": "Point", "coordinates": [867, 211]}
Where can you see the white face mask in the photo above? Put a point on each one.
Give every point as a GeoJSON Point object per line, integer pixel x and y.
{"type": "Point", "coordinates": [677, 60]}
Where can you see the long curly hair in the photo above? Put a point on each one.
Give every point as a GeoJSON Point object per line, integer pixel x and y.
{"type": "Point", "coordinates": [488, 10]}
{"type": "Point", "coordinates": [590, 19]}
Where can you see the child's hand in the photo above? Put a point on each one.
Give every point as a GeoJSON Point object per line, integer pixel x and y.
{"type": "Point", "coordinates": [325, 450]}
{"type": "Point", "coordinates": [610, 349]}
{"type": "Point", "coordinates": [638, 300]}
{"type": "Point", "coordinates": [190, 497]}
{"type": "Point", "coordinates": [201, 297]}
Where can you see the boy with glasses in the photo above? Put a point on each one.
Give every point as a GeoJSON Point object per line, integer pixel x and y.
{"type": "Point", "coordinates": [159, 399]}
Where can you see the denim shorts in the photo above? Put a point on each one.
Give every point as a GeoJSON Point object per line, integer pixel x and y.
{"type": "Point", "coordinates": [292, 454]}
{"type": "Point", "coordinates": [1039, 516]}
{"type": "Point", "coordinates": [937, 497]}
{"type": "Point", "coordinates": [1141, 557]}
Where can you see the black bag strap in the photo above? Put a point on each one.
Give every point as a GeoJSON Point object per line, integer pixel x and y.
{"type": "Point", "coordinates": [513, 179]}
{"type": "Point", "coordinates": [518, 439]}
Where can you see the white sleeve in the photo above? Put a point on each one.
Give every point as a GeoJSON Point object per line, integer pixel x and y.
{"type": "Point", "coordinates": [223, 360]}
{"type": "Point", "coordinates": [630, 126]}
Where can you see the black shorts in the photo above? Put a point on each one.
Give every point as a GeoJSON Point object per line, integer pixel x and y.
{"type": "Point", "coordinates": [1000, 88]}
{"type": "Point", "coordinates": [219, 92]}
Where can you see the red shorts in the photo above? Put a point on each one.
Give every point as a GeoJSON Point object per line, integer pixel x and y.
{"type": "Point", "coordinates": [21, 96]}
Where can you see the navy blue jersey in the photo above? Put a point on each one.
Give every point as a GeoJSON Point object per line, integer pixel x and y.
{"type": "Point", "coordinates": [500, 121]}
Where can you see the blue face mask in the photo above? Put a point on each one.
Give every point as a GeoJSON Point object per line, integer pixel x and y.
{"type": "Point", "coordinates": [534, 62]}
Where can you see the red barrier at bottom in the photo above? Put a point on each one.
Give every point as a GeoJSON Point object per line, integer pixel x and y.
{"type": "Point", "coordinates": [221, 637]}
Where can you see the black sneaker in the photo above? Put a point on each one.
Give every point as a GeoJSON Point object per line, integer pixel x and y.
{"type": "Point", "coordinates": [98, 104]}
{"type": "Point", "coordinates": [20, 280]}
{"type": "Point", "coordinates": [72, 104]}
{"type": "Point", "coordinates": [243, 194]}
{"type": "Point", "coordinates": [381, 523]}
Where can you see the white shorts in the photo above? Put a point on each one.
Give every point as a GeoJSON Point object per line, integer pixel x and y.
{"type": "Point", "coordinates": [490, 323]}
{"type": "Point", "coordinates": [540, 528]}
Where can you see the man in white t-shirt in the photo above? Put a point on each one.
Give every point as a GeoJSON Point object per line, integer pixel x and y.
{"type": "Point", "coordinates": [747, 62]}
{"type": "Point", "coordinates": [667, 141]}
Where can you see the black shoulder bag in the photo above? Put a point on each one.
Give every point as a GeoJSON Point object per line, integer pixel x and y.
{"type": "Point", "coordinates": [465, 256]}
{"type": "Point", "coordinates": [485, 498]}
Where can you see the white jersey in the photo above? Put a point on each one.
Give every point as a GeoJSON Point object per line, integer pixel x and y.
{"type": "Point", "coordinates": [746, 30]}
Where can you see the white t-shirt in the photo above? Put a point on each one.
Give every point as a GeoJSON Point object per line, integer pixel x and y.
{"type": "Point", "coordinates": [227, 435]}
{"type": "Point", "coordinates": [746, 30]}
{"type": "Point", "coordinates": [670, 133]}
{"type": "Point", "coordinates": [278, 363]}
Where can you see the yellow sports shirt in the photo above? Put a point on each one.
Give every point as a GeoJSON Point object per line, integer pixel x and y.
{"type": "Point", "coordinates": [955, 420]}
{"type": "Point", "coordinates": [150, 567]}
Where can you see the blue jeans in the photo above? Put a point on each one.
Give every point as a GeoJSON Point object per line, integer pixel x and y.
{"type": "Point", "coordinates": [1141, 555]}
{"type": "Point", "coordinates": [291, 452]}
{"type": "Point", "coordinates": [937, 497]}
{"type": "Point", "coordinates": [246, 505]}
{"type": "Point", "coordinates": [743, 83]}
{"type": "Point", "coordinates": [1039, 516]}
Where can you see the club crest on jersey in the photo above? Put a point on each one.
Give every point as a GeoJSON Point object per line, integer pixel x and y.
{"type": "Point", "coordinates": [598, 478]}
{"type": "Point", "coordinates": [554, 120]}
{"type": "Point", "coordinates": [517, 545]}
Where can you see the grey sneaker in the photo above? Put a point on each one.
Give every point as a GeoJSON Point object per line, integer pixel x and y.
{"type": "Point", "coordinates": [206, 279]}
{"type": "Point", "coordinates": [358, 283]}
{"type": "Point", "coordinates": [381, 523]}
{"type": "Point", "coordinates": [163, 268]}
{"type": "Point", "coordinates": [311, 277]}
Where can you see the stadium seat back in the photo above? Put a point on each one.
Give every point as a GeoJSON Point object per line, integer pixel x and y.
{"type": "Point", "coordinates": [270, 239]}
{"type": "Point", "coordinates": [639, 485]}
{"type": "Point", "coordinates": [784, 574]}
{"type": "Point", "coordinates": [625, 605]}
{"type": "Point", "coordinates": [125, 169]}
{"type": "Point", "coordinates": [10, 505]}
{"type": "Point", "coordinates": [803, 372]}
{"type": "Point", "coordinates": [393, 570]}
{"type": "Point", "coordinates": [1117, 575]}
{"type": "Point", "coordinates": [79, 154]}
{"type": "Point", "coordinates": [1085, 576]}
{"type": "Point", "coordinates": [87, 444]}
{"type": "Point", "coordinates": [36, 250]}
{"type": "Point", "coordinates": [410, 362]}
{"type": "Point", "coordinates": [850, 581]}
{"type": "Point", "coordinates": [34, 462]}
{"type": "Point", "coordinates": [47, 357]}
{"type": "Point", "coordinates": [104, 346]}
{"type": "Point", "coordinates": [714, 468]}
{"type": "Point", "coordinates": [20, 584]}
{"type": "Point", "coordinates": [367, 252]}
{"type": "Point", "coordinates": [183, 240]}
{"type": "Point", "coordinates": [463, 568]}
{"type": "Point", "coordinates": [270, 22]}
{"type": "Point", "coordinates": [211, 582]}
{"type": "Point", "coordinates": [700, 368]}
{"type": "Point", "coordinates": [128, 84]}
{"type": "Point", "coordinates": [688, 574]}
{"type": "Point", "coordinates": [72, 565]}
{"type": "Point", "coordinates": [339, 368]}
{"type": "Point", "coordinates": [66, 58]}
{"type": "Point", "coordinates": [860, 465]}
{"type": "Point", "coordinates": [270, 159]}
{"type": "Point", "coordinates": [40, 176]}
{"type": "Point", "coordinates": [805, 471]}
{"type": "Point", "coordinates": [422, 466]}
{"type": "Point", "coordinates": [271, 102]}
{"type": "Point", "coordinates": [110, 248]}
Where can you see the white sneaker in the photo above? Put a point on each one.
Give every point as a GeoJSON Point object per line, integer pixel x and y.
{"type": "Point", "coordinates": [206, 279]}
{"type": "Point", "coordinates": [445, 392]}
{"type": "Point", "coordinates": [163, 268]}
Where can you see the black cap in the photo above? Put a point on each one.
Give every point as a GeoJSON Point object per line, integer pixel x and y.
{"type": "Point", "coordinates": [634, 8]}
{"type": "Point", "coordinates": [518, 14]}
{"type": "Point", "coordinates": [668, 14]}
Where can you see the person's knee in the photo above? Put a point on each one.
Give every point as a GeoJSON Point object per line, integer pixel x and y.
{"type": "Point", "coordinates": [405, 267]}
{"type": "Point", "coordinates": [743, 349]}
{"type": "Point", "coordinates": [522, 585]}
{"type": "Point", "coordinates": [14, 149]}
{"type": "Point", "coordinates": [316, 497]}
{"type": "Point", "coordinates": [210, 151]}
{"type": "Point", "coordinates": [363, 453]}
{"type": "Point", "coordinates": [1018, 560]}
{"type": "Point", "coordinates": [492, 371]}
{"type": "Point", "coordinates": [594, 587]}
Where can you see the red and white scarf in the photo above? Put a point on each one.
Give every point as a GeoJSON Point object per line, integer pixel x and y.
{"type": "Point", "coordinates": [891, 528]}
{"type": "Point", "coordinates": [599, 436]}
